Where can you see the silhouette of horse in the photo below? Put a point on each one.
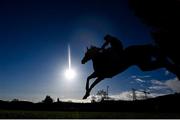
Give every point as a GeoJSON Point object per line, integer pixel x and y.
{"type": "Point", "coordinates": [107, 65]}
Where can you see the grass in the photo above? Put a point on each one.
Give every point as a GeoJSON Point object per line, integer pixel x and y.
{"type": "Point", "coordinates": [16, 114]}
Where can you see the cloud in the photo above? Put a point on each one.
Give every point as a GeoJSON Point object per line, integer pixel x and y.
{"type": "Point", "coordinates": [133, 77]}
{"type": "Point", "coordinates": [157, 88]}
{"type": "Point", "coordinates": [157, 82]}
{"type": "Point", "coordinates": [167, 72]}
{"type": "Point", "coordinates": [173, 84]}
{"type": "Point", "coordinates": [139, 80]}
{"type": "Point", "coordinates": [153, 95]}
{"type": "Point", "coordinates": [146, 76]}
{"type": "Point", "coordinates": [77, 100]}
{"type": "Point", "coordinates": [141, 77]}
{"type": "Point", "coordinates": [127, 95]}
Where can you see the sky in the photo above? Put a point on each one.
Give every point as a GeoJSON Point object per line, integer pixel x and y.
{"type": "Point", "coordinates": [34, 38]}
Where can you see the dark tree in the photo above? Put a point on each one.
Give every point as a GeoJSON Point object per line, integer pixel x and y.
{"type": "Point", "coordinates": [48, 100]}
{"type": "Point", "coordinates": [58, 100]}
{"type": "Point", "coordinates": [102, 94]}
{"type": "Point", "coordinates": [15, 100]}
{"type": "Point", "coordinates": [93, 99]}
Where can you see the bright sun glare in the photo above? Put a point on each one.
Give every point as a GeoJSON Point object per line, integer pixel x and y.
{"type": "Point", "coordinates": [70, 74]}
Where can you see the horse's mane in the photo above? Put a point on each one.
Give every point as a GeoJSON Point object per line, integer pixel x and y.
{"type": "Point", "coordinates": [94, 47]}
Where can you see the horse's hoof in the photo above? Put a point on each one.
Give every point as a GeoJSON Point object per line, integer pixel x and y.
{"type": "Point", "coordinates": [85, 96]}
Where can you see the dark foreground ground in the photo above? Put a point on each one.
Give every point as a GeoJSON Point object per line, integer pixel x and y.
{"type": "Point", "coordinates": [160, 107]}
{"type": "Point", "coordinates": [18, 114]}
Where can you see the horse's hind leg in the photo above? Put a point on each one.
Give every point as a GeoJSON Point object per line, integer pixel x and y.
{"type": "Point", "coordinates": [150, 66]}
{"type": "Point", "coordinates": [93, 75]}
{"type": "Point", "coordinates": [93, 84]}
{"type": "Point", "coordinates": [147, 64]}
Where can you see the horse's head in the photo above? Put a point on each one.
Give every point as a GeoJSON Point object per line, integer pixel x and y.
{"type": "Point", "coordinates": [90, 53]}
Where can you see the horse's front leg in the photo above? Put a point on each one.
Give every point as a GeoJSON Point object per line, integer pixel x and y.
{"type": "Point", "coordinates": [93, 84]}
{"type": "Point", "coordinates": [93, 75]}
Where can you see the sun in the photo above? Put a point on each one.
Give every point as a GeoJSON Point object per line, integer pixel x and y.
{"type": "Point", "coordinates": [70, 74]}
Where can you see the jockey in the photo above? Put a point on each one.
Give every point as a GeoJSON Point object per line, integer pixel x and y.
{"type": "Point", "coordinates": [116, 45]}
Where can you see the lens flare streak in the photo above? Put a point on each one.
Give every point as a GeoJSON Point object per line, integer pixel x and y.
{"type": "Point", "coordinates": [69, 73]}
